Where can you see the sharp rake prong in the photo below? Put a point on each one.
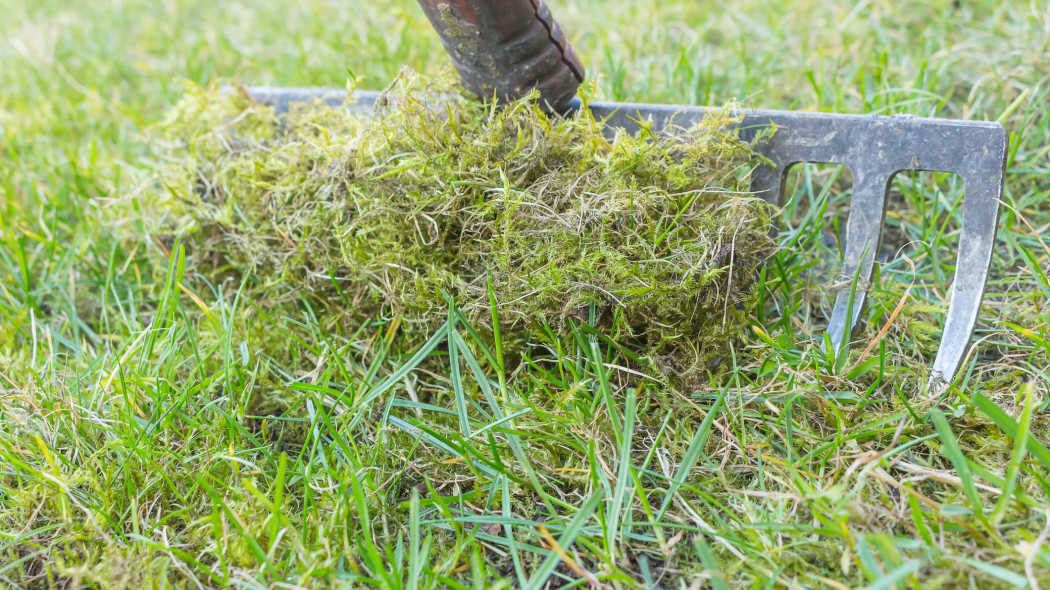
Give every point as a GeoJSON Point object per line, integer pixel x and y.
{"type": "Point", "coordinates": [874, 148]}
{"type": "Point", "coordinates": [863, 234]}
{"type": "Point", "coordinates": [984, 188]}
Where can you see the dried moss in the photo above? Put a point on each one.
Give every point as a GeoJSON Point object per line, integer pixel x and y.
{"type": "Point", "coordinates": [439, 195]}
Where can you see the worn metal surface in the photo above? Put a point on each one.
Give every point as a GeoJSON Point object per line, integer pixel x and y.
{"type": "Point", "coordinates": [507, 47]}
{"type": "Point", "coordinates": [874, 148]}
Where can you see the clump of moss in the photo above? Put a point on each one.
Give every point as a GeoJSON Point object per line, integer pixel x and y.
{"type": "Point", "coordinates": [438, 195]}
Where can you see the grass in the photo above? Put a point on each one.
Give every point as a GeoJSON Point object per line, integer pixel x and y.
{"type": "Point", "coordinates": [160, 429]}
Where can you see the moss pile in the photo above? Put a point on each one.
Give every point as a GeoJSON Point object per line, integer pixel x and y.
{"type": "Point", "coordinates": [438, 195]}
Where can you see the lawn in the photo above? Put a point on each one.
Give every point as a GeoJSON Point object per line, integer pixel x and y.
{"type": "Point", "coordinates": [159, 427]}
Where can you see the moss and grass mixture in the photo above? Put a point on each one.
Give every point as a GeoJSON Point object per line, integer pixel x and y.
{"type": "Point", "coordinates": [464, 348]}
{"type": "Point", "coordinates": [546, 223]}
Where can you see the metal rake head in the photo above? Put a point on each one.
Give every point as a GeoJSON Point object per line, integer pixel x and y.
{"type": "Point", "coordinates": [875, 149]}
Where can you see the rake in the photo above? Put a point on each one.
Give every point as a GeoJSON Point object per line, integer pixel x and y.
{"type": "Point", "coordinates": [506, 48]}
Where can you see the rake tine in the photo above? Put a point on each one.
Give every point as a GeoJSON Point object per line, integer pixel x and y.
{"type": "Point", "coordinates": [980, 219]}
{"type": "Point", "coordinates": [863, 232]}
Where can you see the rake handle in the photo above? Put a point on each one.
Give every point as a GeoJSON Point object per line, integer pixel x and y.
{"type": "Point", "coordinates": [505, 48]}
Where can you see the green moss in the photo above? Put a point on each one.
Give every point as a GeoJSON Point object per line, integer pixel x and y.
{"type": "Point", "coordinates": [654, 238]}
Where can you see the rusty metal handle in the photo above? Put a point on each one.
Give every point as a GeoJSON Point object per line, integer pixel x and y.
{"type": "Point", "coordinates": [506, 48]}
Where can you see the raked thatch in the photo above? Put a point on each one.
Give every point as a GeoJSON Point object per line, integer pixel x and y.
{"type": "Point", "coordinates": [439, 196]}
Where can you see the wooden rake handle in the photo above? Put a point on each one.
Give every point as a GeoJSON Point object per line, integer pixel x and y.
{"type": "Point", "coordinates": [506, 48]}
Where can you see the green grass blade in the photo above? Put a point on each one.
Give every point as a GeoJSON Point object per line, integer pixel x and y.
{"type": "Point", "coordinates": [717, 577]}
{"type": "Point", "coordinates": [896, 575]}
{"type": "Point", "coordinates": [399, 374]}
{"type": "Point", "coordinates": [623, 475]}
{"type": "Point", "coordinates": [459, 392]}
{"type": "Point", "coordinates": [955, 455]}
{"type": "Point", "coordinates": [693, 453]}
{"type": "Point", "coordinates": [1020, 450]}
{"type": "Point", "coordinates": [1010, 427]}
{"type": "Point", "coordinates": [568, 536]}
